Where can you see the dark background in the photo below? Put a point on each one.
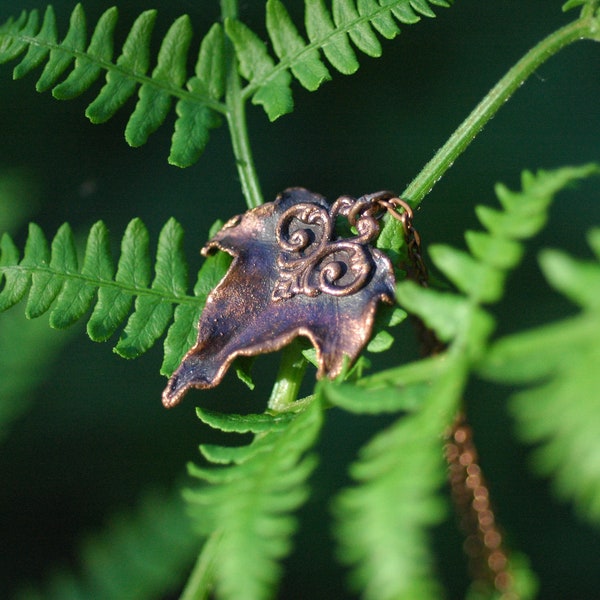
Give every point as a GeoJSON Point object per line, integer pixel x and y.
{"type": "Point", "coordinates": [95, 435]}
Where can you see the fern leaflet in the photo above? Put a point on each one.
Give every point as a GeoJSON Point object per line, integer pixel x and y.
{"type": "Point", "coordinates": [51, 279]}
{"type": "Point", "coordinates": [249, 503]}
{"type": "Point", "coordinates": [562, 360]}
{"type": "Point", "coordinates": [198, 98]}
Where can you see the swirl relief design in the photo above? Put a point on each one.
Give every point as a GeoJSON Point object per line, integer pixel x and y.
{"type": "Point", "coordinates": [311, 261]}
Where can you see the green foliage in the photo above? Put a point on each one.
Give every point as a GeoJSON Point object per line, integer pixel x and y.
{"type": "Point", "coordinates": [560, 411]}
{"type": "Point", "coordinates": [199, 99]}
{"type": "Point", "coordinates": [386, 540]}
{"type": "Point", "coordinates": [571, 4]}
{"type": "Point", "coordinates": [50, 277]}
{"type": "Point", "coordinates": [145, 552]}
{"type": "Point", "coordinates": [245, 505]}
{"type": "Point", "coordinates": [248, 504]}
{"type": "Point", "coordinates": [480, 275]}
{"type": "Point", "coordinates": [332, 33]}
{"type": "Point", "coordinates": [382, 522]}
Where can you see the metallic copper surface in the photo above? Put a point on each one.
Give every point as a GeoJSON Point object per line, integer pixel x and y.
{"type": "Point", "coordinates": [292, 275]}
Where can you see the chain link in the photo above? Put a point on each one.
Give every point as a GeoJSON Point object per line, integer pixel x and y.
{"type": "Point", "coordinates": [401, 211]}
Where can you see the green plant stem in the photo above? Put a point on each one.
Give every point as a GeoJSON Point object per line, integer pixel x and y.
{"type": "Point", "coordinates": [289, 378]}
{"type": "Point", "coordinates": [584, 28]}
{"type": "Point", "coordinates": [199, 584]}
{"type": "Point", "coordinates": [236, 121]}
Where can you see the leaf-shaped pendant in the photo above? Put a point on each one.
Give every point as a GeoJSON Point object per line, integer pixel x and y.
{"type": "Point", "coordinates": [291, 275]}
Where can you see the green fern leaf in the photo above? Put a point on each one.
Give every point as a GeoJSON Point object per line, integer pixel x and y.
{"type": "Point", "coordinates": [385, 540]}
{"type": "Point", "coordinates": [561, 413]}
{"type": "Point", "coordinates": [199, 105]}
{"type": "Point", "coordinates": [571, 4]}
{"type": "Point", "coordinates": [345, 14]}
{"type": "Point", "coordinates": [61, 57]}
{"type": "Point", "coordinates": [88, 67]}
{"type": "Point", "coordinates": [16, 282]}
{"type": "Point", "coordinates": [153, 313]}
{"type": "Point", "coordinates": [155, 103]}
{"type": "Point", "coordinates": [399, 389]}
{"type": "Point", "coordinates": [330, 32]}
{"type": "Point", "coordinates": [274, 94]}
{"type": "Point", "coordinates": [195, 120]}
{"type": "Point", "coordinates": [497, 252]}
{"type": "Point", "coordinates": [227, 454]}
{"type": "Point", "coordinates": [382, 21]}
{"type": "Point", "coordinates": [46, 283]}
{"type": "Point", "coordinates": [135, 58]}
{"type": "Point", "coordinates": [11, 47]}
{"type": "Point", "coordinates": [287, 42]}
{"type": "Point", "coordinates": [76, 295]}
{"type": "Point", "coordinates": [51, 279]}
{"type": "Point", "coordinates": [482, 281]}
{"type": "Point", "coordinates": [337, 49]}
{"type": "Point", "coordinates": [133, 272]}
{"type": "Point", "coordinates": [480, 276]}
{"type": "Point", "coordinates": [233, 423]}
{"type": "Point", "coordinates": [579, 281]}
{"type": "Point", "coordinates": [250, 504]}
{"type": "Point", "coordinates": [37, 54]}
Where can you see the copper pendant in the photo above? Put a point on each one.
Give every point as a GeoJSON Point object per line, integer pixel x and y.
{"type": "Point", "coordinates": [292, 275]}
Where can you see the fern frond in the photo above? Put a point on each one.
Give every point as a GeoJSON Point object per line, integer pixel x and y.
{"type": "Point", "coordinates": [138, 556]}
{"type": "Point", "coordinates": [330, 32]}
{"type": "Point", "coordinates": [198, 98]}
{"type": "Point", "coordinates": [250, 503]}
{"type": "Point", "coordinates": [561, 413]}
{"type": "Point", "coordinates": [479, 275]}
{"type": "Point", "coordinates": [51, 279]}
{"type": "Point", "coordinates": [382, 523]}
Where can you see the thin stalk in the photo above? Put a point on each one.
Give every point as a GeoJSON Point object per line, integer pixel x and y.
{"type": "Point", "coordinates": [289, 378]}
{"type": "Point", "coordinates": [491, 103]}
{"type": "Point", "coordinates": [200, 583]}
{"type": "Point", "coordinates": [236, 121]}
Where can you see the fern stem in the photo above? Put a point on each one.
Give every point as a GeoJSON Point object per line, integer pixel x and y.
{"type": "Point", "coordinates": [491, 103]}
{"type": "Point", "coordinates": [200, 582]}
{"type": "Point", "coordinates": [291, 372]}
{"type": "Point", "coordinates": [236, 121]}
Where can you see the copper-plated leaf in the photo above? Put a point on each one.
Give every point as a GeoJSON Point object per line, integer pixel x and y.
{"type": "Point", "coordinates": [291, 275]}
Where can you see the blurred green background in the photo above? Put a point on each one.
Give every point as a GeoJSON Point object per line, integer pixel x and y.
{"type": "Point", "coordinates": [92, 435]}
